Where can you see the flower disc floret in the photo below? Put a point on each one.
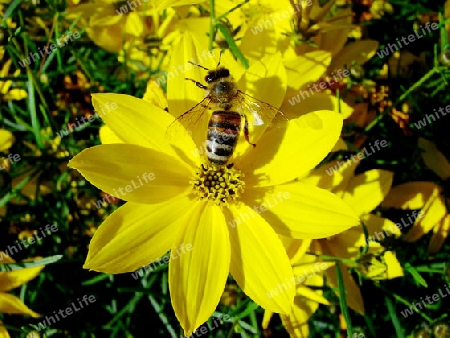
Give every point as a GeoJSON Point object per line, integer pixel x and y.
{"type": "Point", "coordinates": [218, 183]}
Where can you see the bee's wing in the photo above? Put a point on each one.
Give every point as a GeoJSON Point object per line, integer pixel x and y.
{"type": "Point", "coordinates": [194, 122]}
{"type": "Point", "coordinates": [260, 115]}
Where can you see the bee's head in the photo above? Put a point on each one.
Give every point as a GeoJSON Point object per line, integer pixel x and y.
{"type": "Point", "coordinates": [215, 75]}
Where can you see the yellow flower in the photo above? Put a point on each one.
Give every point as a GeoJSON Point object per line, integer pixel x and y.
{"type": "Point", "coordinates": [363, 192]}
{"type": "Point", "coordinates": [11, 280]}
{"type": "Point", "coordinates": [179, 208]}
{"type": "Point", "coordinates": [428, 197]}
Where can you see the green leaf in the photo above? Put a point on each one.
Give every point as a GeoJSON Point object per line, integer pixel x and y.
{"type": "Point", "coordinates": [32, 264]}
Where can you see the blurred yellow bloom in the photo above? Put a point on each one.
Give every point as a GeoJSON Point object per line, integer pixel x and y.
{"type": "Point", "coordinates": [250, 248]}
{"type": "Point", "coordinates": [11, 280]}
{"type": "Point", "coordinates": [7, 91]}
{"type": "Point", "coordinates": [428, 197]}
{"type": "Point", "coordinates": [363, 193]}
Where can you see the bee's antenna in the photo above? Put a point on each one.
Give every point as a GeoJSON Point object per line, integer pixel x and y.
{"type": "Point", "coordinates": [220, 57]}
{"type": "Point", "coordinates": [196, 64]}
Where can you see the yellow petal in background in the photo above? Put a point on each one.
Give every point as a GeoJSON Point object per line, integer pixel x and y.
{"type": "Point", "coordinates": [155, 95]}
{"type": "Point", "coordinates": [107, 37]}
{"type": "Point", "coordinates": [379, 228]}
{"type": "Point", "coordinates": [434, 211]}
{"type": "Point", "coordinates": [307, 68]}
{"type": "Point", "coordinates": [394, 268]}
{"type": "Point", "coordinates": [182, 95]}
{"type": "Point", "coordinates": [411, 195]}
{"type": "Point", "coordinates": [434, 159]}
{"type": "Point", "coordinates": [197, 278]}
{"type": "Point", "coordinates": [276, 160]}
{"type": "Point", "coordinates": [359, 52]}
{"type": "Point", "coordinates": [6, 140]}
{"type": "Point", "coordinates": [135, 235]}
{"type": "Point", "coordinates": [366, 191]}
{"type": "Point", "coordinates": [3, 332]}
{"type": "Point", "coordinates": [353, 294]}
{"type": "Point", "coordinates": [15, 94]}
{"type": "Point", "coordinates": [13, 279]}
{"type": "Point", "coordinates": [440, 234]}
{"type": "Point", "coordinates": [332, 176]}
{"type": "Point", "coordinates": [12, 304]}
{"type": "Point", "coordinates": [302, 211]}
{"type": "Point", "coordinates": [266, 80]}
{"type": "Point", "coordinates": [259, 262]}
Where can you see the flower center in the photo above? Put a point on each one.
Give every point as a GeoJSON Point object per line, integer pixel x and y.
{"type": "Point", "coordinates": [218, 183]}
{"type": "Point", "coordinates": [373, 266]}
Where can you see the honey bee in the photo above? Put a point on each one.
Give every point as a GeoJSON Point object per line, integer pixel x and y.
{"type": "Point", "coordinates": [231, 108]}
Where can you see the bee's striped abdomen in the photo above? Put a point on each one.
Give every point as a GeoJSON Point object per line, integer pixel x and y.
{"type": "Point", "coordinates": [223, 132]}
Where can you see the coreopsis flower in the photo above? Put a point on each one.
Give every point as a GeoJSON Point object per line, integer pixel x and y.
{"type": "Point", "coordinates": [10, 280]}
{"type": "Point", "coordinates": [427, 196]}
{"type": "Point", "coordinates": [189, 201]}
{"type": "Point", "coordinates": [363, 192]}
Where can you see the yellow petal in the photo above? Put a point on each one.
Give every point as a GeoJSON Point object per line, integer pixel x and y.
{"type": "Point", "coordinates": [394, 269]}
{"type": "Point", "coordinates": [300, 102]}
{"type": "Point", "coordinates": [15, 94]}
{"type": "Point", "coordinates": [353, 294]}
{"type": "Point", "coordinates": [134, 24]}
{"type": "Point", "coordinates": [366, 191]}
{"type": "Point", "coordinates": [13, 279]}
{"type": "Point", "coordinates": [182, 95]}
{"type": "Point", "coordinates": [275, 160]}
{"type": "Point", "coordinates": [107, 136]}
{"type": "Point", "coordinates": [107, 37]}
{"type": "Point", "coordinates": [155, 95]}
{"type": "Point", "coordinates": [434, 211]}
{"type": "Point", "coordinates": [296, 323]}
{"type": "Point", "coordinates": [359, 52]}
{"type": "Point", "coordinates": [256, 46]}
{"type": "Point", "coordinates": [440, 234]}
{"type": "Point", "coordinates": [434, 159]}
{"type": "Point", "coordinates": [301, 211]}
{"type": "Point", "coordinates": [411, 195]}
{"type": "Point", "coordinates": [136, 235]}
{"type": "Point", "coordinates": [6, 140]}
{"type": "Point", "coordinates": [266, 319]}
{"type": "Point", "coordinates": [379, 228]}
{"type": "Point", "coordinates": [135, 120]}
{"type": "Point", "coordinates": [296, 248]}
{"type": "Point", "coordinates": [266, 80]}
{"type": "Point", "coordinates": [12, 304]}
{"type": "Point", "coordinates": [133, 173]}
{"type": "Point", "coordinates": [163, 4]}
{"type": "Point", "coordinates": [332, 176]}
{"type": "Point", "coordinates": [304, 69]}
{"type": "Point", "coordinates": [3, 331]}
{"type": "Point", "coordinates": [197, 279]}
{"type": "Point", "coordinates": [259, 262]}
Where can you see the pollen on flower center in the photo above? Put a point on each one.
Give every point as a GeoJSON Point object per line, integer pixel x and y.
{"type": "Point", "coordinates": [218, 183]}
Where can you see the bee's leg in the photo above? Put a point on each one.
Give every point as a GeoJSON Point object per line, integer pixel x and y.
{"type": "Point", "coordinates": [198, 84]}
{"type": "Point", "coordinates": [246, 131]}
